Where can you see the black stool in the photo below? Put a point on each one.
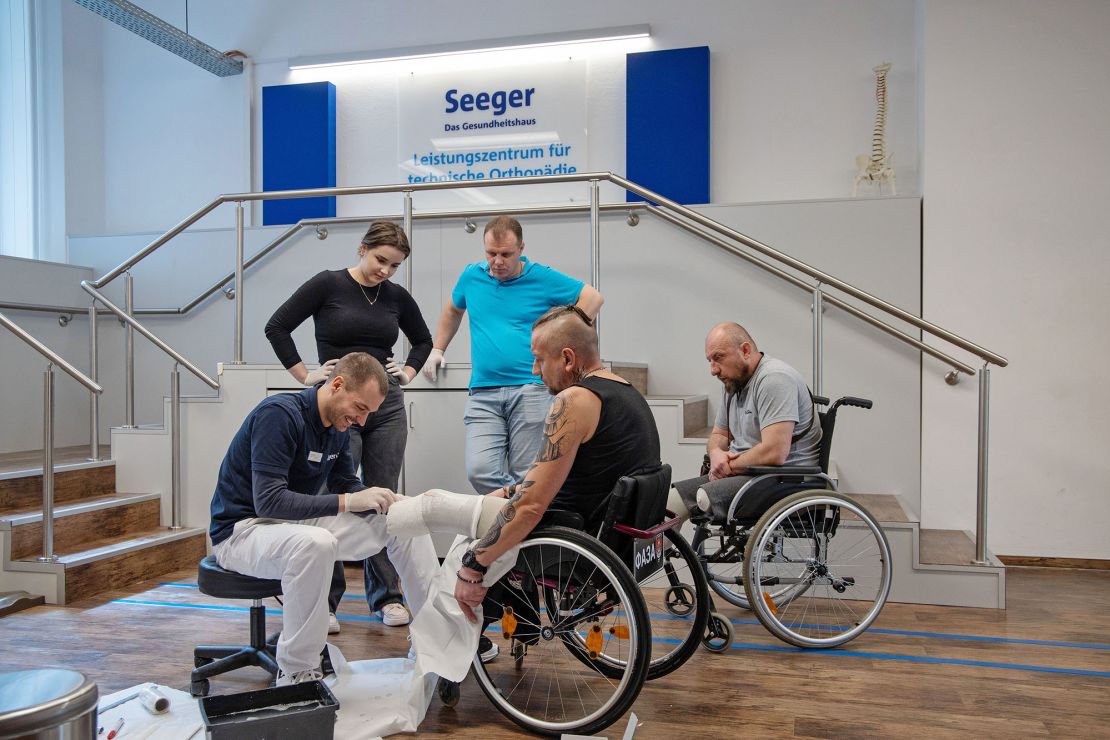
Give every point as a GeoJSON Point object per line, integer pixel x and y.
{"type": "Point", "coordinates": [212, 660]}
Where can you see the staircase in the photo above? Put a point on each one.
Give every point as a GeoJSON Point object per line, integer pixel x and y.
{"type": "Point", "coordinates": [931, 566]}
{"type": "Point", "coordinates": [103, 539]}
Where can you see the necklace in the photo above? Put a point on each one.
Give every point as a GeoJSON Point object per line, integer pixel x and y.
{"type": "Point", "coordinates": [377, 293]}
{"type": "Point", "coordinates": [591, 373]}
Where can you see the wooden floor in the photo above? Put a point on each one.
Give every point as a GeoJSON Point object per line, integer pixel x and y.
{"type": "Point", "coordinates": [1040, 668]}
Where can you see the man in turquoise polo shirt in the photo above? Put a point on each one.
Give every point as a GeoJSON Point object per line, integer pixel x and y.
{"type": "Point", "coordinates": [507, 405]}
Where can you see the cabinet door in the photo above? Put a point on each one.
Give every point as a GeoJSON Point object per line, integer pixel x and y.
{"type": "Point", "coordinates": [435, 456]}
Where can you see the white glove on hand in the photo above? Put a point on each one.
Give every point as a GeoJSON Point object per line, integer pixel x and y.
{"type": "Point", "coordinates": [320, 374]}
{"type": "Point", "coordinates": [434, 361]}
{"type": "Point", "coordinates": [370, 499]}
{"type": "Point", "coordinates": [397, 371]}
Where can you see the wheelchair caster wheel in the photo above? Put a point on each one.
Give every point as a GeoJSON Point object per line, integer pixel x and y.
{"type": "Point", "coordinates": [448, 692]}
{"type": "Point", "coordinates": [199, 688]}
{"type": "Point", "coordinates": [718, 634]}
{"type": "Point", "coordinates": [679, 600]}
{"type": "Point", "coordinates": [199, 662]}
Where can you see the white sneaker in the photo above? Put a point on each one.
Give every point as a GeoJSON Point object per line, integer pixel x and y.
{"type": "Point", "coordinates": [395, 615]}
{"type": "Point", "coordinates": [333, 624]}
{"type": "Point", "coordinates": [288, 679]}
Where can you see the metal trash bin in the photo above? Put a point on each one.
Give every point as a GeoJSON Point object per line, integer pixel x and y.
{"type": "Point", "coordinates": [47, 704]}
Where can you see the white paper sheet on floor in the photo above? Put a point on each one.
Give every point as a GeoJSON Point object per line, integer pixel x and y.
{"type": "Point", "coordinates": [180, 722]}
{"type": "Point", "coordinates": [376, 697]}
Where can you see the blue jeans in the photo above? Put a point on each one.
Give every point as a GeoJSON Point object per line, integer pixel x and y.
{"type": "Point", "coordinates": [379, 446]}
{"type": "Point", "coordinates": [504, 433]}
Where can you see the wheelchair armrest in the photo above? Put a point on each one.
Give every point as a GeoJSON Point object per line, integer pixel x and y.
{"type": "Point", "coordinates": [754, 470]}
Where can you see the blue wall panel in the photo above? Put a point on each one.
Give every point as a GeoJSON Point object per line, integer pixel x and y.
{"type": "Point", "coordinates": [298, 149]}
{"type": "Point", "coordinates": [668, 123]}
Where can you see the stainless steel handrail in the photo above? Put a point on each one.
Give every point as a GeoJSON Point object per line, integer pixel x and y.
{"type": "Point", "coordinates": [304, 223]}
{"type": "Point", "coordinates": [200, 374]}
{"type": "Point", "coordinates": [822, 278]}
{"type": "Point", "coordinates": [53, 358]}
{"type": "Point", "coordinates": [828, 299]}
{"type": "Point", "coordinates": [818, 275]}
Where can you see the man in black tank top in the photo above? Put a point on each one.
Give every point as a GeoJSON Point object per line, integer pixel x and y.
{"type": "Point", "coordinates": [599, 429]}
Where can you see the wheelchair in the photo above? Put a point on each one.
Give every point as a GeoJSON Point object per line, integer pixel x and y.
{"type": "Point", "coordinates": [812, 564]}
{"type": "Point", "coordinates": [582, 640]}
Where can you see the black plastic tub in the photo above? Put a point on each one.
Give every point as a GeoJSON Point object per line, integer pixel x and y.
{"type": "Point", "coordinates": [301, 711]}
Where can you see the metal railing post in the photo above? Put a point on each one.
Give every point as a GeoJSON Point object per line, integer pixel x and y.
{"type": "Point", "coordinates": [48, 466]}
{"type": "Point", "coordinates": [818, 341]}
{"type": "Point", "coordinates": [981, 482]}
{"type": "Point", "coordinates": [129, 343]}
{"type": "Point", "coordinates": [239, 283]}
{"type": "Point", "coordinates": [94, 399]}
{"type": "Point", "coordinates": [406, 224]}
{"type": "Point", "coordinates": [595, 248]}
{"type": "Point", "coordinates": [175, 447]}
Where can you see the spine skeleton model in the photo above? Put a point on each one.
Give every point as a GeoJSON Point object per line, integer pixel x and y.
{"type": "Point", "coordinates": [877, 168]}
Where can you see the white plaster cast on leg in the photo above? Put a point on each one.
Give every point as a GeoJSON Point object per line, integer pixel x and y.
{"type": "Point", "coordinates": [491, 507]}
{"type": "Point", "coordinates": [434, 511]}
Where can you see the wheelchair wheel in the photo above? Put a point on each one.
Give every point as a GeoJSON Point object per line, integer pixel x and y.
{"type": "Point", "coordinates": [830, 556]}
{"type": "Point", "coordinates": [587, 650]}
{"type": "Point", "coordinates": [677, 600]}
{"type": "Point", "coordinates": [718, 634]}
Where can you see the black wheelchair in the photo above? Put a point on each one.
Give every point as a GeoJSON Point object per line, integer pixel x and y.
{"type": "Point", "coordinates": [583, 635]}
{"type": "Point", "coordinates": [813, 564]}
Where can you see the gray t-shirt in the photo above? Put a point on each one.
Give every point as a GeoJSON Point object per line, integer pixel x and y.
{"type": "Point", "coordinates": [776, 392]}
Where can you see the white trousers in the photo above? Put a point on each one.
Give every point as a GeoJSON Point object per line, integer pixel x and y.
{"type": "Point", "coordinates": [302, 555]}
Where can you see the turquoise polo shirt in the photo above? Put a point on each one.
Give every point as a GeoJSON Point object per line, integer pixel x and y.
{"type": "Point", "coordinates": [501, 317]}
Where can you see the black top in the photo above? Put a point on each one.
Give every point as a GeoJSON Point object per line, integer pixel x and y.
{"type": "Point", "coordinates": [626, 441]}
{"type": "Point", "coordinates": [346, 322]}
{"type": "Point", "coordinates": [277, 464]}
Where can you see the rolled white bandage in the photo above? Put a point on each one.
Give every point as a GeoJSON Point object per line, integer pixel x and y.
{"type": "Point", "coordinates": [434, 511]}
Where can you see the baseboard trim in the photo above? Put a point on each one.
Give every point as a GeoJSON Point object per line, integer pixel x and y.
{"type": "Point", "coordinates": [1032, 561]}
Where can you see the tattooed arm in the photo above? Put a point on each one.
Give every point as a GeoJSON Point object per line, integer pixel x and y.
{"type": "Point", "coordinates": [572, 420]}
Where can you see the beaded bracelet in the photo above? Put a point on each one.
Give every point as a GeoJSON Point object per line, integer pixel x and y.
{"type": "Point", "coordinates": [458, 574]}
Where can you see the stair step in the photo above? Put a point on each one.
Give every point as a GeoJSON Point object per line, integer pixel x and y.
{"type": "Point", "coordinates": [634, 373]}
{"type": "Point", "coordinates": [78, 525]}
{"type": "Point", "coordinates": [946, 547]}
{"type": "Point", "coordinates": [885, 508]}
{"type": "Point", "coordinates": [695, 413]}
{"type": "Point", "coordinates": [30, 461]}
{"type": "Point", "coordinates": [23, 492]}
{"type": "Point", "coordinates": [128, 559]}
{"type": "Point", "coordinates": [16, 601]}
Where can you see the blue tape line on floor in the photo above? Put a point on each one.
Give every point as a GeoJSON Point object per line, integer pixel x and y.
{"type": "Point", "coordinates": [872, 630]}
{"type": "Point", "coordinates": [736, 645]}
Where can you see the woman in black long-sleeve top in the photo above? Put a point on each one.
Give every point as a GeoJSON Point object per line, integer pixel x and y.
{"type": "Point", "coordinates": [359, 310]}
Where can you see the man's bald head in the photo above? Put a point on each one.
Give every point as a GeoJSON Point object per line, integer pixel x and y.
{"type": "Point", "coordinates": [733, 333]}
{"type": "Point", "coordinates": [732, 355]}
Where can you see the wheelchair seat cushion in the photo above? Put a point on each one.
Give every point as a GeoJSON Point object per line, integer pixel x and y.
{"type": "Point", "coordinates": [755, 501]}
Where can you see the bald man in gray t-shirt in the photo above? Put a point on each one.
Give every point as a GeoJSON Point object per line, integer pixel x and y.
{"type": "Point", "coordinates": [766, 417]}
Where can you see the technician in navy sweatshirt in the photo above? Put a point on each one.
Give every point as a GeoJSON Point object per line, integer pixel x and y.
{"type": "Point", "coordinates": [288, 506]}
{"type": "Point", "coordinates": [358, 309]}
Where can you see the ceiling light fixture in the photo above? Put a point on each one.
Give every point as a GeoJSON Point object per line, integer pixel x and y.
{"type": "Point", "coordinates": [618, 33]}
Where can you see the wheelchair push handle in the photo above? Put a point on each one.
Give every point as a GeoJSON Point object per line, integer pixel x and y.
{"type": "Point", "coordinates": [862, 403]}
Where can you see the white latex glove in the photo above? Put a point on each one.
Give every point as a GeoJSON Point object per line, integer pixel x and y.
{"type": "Point", "coordinates": [370, 499]}
{"type": "Point", "coordinates": [320, 374]}
{"type": "Point", "coordinates": [432, 365]}
{"type": "Point", "coordinates": [397, 371]}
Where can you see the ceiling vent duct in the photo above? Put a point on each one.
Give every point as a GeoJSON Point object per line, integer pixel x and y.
{"type": "Point", "coordinates": [157, 31]}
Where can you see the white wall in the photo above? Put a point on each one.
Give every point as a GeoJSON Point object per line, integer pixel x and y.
{"type": "Point", "coordinates": [1006, 98]}
{"type": "Point", "coordinates": [792, 92]}
{"type": "Point", "coordinates": [1016, 155]}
